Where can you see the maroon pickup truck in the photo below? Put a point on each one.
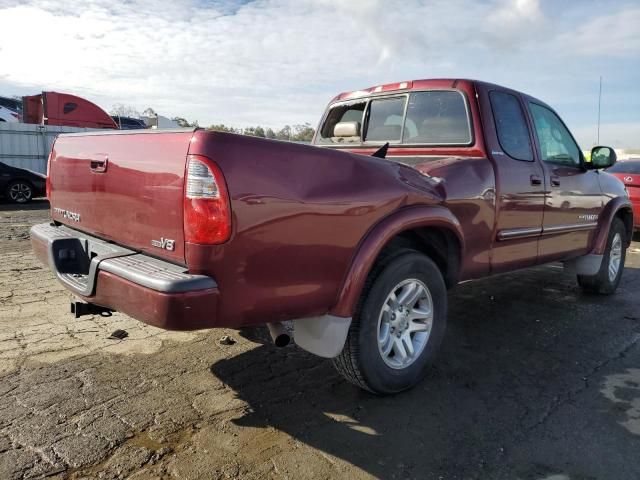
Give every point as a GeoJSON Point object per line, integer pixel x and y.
{"type": "Point", "coordinates": [409, 189]}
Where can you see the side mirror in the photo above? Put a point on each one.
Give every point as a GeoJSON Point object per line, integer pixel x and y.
{"type": "Point", "coordinates": [602, 157]}
{"type": "Point", "coordinates": [347, 129]}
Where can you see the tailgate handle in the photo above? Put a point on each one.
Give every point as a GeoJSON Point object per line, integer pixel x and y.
{"type": "Point", "coordinates": [98, 163]}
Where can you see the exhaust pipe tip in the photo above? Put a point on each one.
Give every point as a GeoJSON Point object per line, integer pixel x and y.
{"type": "Point", "coordinates": [282, 340]}
{"type": "Point", "coordinates": [279, 334]}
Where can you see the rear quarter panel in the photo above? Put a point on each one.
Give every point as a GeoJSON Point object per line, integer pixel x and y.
{"type": "Point", "coordinates": [299, 214]}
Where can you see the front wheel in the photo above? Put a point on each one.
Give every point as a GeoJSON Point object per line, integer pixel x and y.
{"type": "Point", "coordinates": [606, 281]}
{"type": "Point", "coordinates": [20, 192]}
{"type": "Point", "coordinates": [398, 325]}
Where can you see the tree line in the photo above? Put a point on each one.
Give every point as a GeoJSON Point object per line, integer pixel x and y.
{"type": "Point", "coordinates": [296, 133]}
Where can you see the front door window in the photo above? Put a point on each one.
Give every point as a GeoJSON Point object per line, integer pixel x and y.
{"type": "Point", "coordinates": [555, 142]}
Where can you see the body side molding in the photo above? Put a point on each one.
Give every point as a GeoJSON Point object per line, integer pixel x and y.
{"type": "Point", "coordinates": [518, 233]}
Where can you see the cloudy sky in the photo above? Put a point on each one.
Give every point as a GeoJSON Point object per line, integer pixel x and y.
{"type": "Point", "coordinates": [272, 62]}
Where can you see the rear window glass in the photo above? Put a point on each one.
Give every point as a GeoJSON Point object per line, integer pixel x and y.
{"type": "Point", "coordinates": [434, 117]}
{"type": "Point", "coordinates": [385, 120]}
{"type": "Point", "coordinates": [437, 118]}
{"type": "Point", "coordinates": [626, 166]}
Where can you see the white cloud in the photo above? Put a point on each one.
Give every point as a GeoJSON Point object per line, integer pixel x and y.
{"type": "Point", "coordinates": [513, 20]}
{"type": "Point", "coordinates": [616, 34]}
{"type": "Point", "coordinates": [279, 61]}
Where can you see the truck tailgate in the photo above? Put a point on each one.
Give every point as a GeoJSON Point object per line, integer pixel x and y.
{"type": "Point", "coordinates": [123, 187]}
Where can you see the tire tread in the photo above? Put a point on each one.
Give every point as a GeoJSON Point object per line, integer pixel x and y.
{"type": "Point", "coordinates": [347, 362]}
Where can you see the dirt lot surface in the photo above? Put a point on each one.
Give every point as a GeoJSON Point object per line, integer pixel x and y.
{"type": "Point", "coordinates": [535, 381]}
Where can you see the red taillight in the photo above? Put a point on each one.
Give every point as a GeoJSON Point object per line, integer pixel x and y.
{"type": "Point", "coordinates": [48, 181]}
{"type": "Point", "coordinates": [207, 213]}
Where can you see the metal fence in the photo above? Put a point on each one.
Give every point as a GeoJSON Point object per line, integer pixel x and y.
{"type": "Point", "coordinates": [27, 146]}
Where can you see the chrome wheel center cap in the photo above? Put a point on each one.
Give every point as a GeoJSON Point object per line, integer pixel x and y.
{"type": "Point", "coordinates": [400, 320]}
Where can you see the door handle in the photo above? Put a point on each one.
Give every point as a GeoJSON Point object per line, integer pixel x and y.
{"type": "Point", "coordinates": [99, 164]}
{"type": "Point", "coordinates": [535, 180]}
{"type": "Point", "coordinates": [555, 181]}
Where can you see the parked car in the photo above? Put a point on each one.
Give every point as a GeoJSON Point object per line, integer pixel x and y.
{"type": "Point", "coordinates": [12, 104]}
{"type": "Point", "coordinates": [128, 123]}
{"type": "Point", "coordinates": [629, 172]}
{"type": "Point", "coordinates": [9, 116]}
{"type": "Point", "coordinates": [419, 186]}
{"type": "Point", "coordinates": [19, 185]}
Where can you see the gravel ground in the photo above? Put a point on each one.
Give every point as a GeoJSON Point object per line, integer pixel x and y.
{"type": "Point", "coordinates": [535, 381]}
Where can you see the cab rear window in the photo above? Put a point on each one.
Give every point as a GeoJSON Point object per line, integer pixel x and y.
{"type": "Point", "coordinates": [435, 117]}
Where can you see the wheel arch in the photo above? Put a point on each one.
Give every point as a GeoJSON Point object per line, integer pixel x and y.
{"type": "Point", "coordinates": [619, 207]}
{"type": "Point", "coordinates": [432, 230]}
{"type": "Point", "coordinates": [20, 179]}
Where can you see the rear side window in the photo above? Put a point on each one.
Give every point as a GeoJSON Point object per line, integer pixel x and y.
{"type": "Point", "coordinates": [437, 118]}
{"type": "Point", "coordinates": [69, 107]}
{"type": "Point", "coordinates": [511, 126]}
{"type": "Point", "coordinates": [352, 112]}
{"type": "Point", "coordinates": [626, 166]}
{"type": "Point", "coordinates": [385, 120]}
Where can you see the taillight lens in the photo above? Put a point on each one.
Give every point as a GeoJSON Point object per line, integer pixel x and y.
{"type": "Point", "coordinates": [207, 213]}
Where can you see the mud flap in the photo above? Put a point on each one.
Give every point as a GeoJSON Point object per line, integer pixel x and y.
{"type": "Point", "coordinates": [323, 336]}
{"type": "Point", "coordinates": [586, 265]}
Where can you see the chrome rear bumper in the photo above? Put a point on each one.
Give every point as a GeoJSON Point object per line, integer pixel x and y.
{"type": "Point", "coordinates": [76, 257]}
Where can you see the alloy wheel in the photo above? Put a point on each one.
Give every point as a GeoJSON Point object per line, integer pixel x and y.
{"type": "Point", "coordinates": [404, 323]}
{"type": "Point", "coordinates": [615, 257]}
{"type": "Point", "coordinates": [20, 192]}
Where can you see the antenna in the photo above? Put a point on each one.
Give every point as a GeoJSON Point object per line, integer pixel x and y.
{"type": "Point", "coordinates": [599, 102]}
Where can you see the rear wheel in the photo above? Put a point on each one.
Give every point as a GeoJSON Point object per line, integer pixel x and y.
{"type": "Point", "coordinates": [606, 281]}
{"type": "Point", "coordinates": [19, 191]}
{"type": "Point", "coordinates": [398, 325]}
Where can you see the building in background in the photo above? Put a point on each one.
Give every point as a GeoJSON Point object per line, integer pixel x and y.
{"type": "Point", "coordinates": [153, 120]}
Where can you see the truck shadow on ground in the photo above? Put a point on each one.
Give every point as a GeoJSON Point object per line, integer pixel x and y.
{"type": "Point", "coordinates": [517, 347]}
{"type": "Point", "coordinates": [35, 204]}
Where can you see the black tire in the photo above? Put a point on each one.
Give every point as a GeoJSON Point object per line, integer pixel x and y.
{"type": "Point", "coordinates": [602, 282]}
{"type": "Point", "coordinates": [361, 361]}
{"type": "Point", "coordinates": [19, 191]}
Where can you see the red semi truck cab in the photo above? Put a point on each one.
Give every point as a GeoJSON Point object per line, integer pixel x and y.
{"type": "Point", "coordinates": [408, 189]}
{"type": "Point", "coordinates": [53, 108]}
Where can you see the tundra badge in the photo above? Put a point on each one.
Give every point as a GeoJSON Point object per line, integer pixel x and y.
{"type": "Point", "coordinates": [165, 243]}
{"type": "Point", "coordinates": [67, 214]}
